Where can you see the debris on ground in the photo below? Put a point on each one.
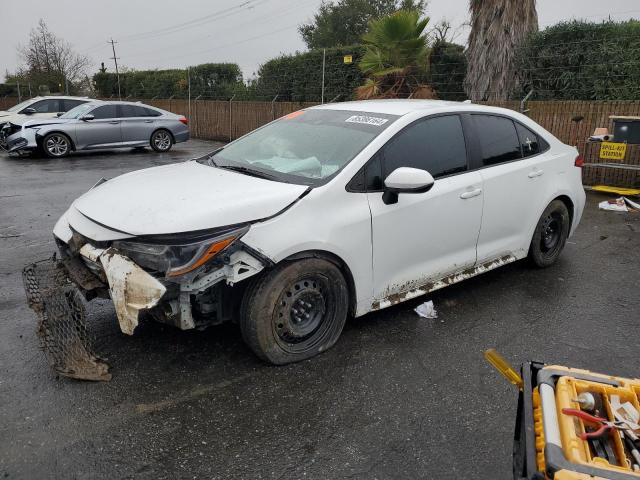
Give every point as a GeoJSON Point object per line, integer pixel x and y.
{"type": "Point", "coordinates": [426, 310]}
{"type": "Point", "coordinates": [620, 204]}
{"type": "Point", "coordinates": [62, 328]}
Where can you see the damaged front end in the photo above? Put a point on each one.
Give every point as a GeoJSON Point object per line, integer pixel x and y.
{"type": "Point", "coordinates": [182, 280]}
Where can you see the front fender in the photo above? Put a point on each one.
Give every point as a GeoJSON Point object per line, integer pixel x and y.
{"type": "Point", "coordinates": [338, 223]}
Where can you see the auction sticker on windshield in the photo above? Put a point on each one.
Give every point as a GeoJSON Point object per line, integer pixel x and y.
{"type": "Point", "coordinates": [377, 121]}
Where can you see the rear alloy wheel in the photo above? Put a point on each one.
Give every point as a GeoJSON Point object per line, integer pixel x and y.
{"type": "Point", "coordinates": [550, 234]}
{"type": "Point", "coordinates": [295, 311]}
{"type": "Point", "coordinates": [56, 145]}
{"type": "Point", "coordinates": [161, 141]}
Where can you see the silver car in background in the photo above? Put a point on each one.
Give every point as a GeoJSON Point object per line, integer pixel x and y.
{"type": "Point", "coordinates": [102, 125]}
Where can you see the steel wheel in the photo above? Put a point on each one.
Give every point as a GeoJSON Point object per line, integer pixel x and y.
{"type": "Point", "coordinates": [295, 311]}
{"type": "Point", "coordinates": [551, 229]}
{"type": "Point", "coordinates": [550, 234]}
{"type": "Point", "coordinates": [161, 141]}
{"type": "Point", "coordinates": [56, 145]}
{"type": "Point", "coordinates": [301, 313]}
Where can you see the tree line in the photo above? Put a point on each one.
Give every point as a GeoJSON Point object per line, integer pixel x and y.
{"type": "Point", "coordinates": [379, 49]}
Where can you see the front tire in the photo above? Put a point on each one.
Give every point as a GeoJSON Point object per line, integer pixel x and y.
{"type": "Point", "coordinates": [550, 235]}
{"type": "Point", "coordinates": [161, 141]}
{"type": "Point", "coordinates": [295, 311]}
{"type": "Point", "coordinates": [56, 145]}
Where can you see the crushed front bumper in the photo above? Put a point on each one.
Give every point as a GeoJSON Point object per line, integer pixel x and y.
{"type": "Point", "coordinates": [24, 139]}
{"type": "Point", "coordinates": [56, 289]}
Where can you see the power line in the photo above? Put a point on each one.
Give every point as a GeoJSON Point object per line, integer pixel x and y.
{"type": "Point", "coordinates": [218, 15]}
{"type": "Point", "coordinates": [288, 12]}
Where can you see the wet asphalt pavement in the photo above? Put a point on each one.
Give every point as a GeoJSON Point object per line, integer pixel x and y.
{"type": "Point", "coordinates": [398, 397]}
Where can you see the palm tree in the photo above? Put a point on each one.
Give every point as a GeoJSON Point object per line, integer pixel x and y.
{"type": "Point", "coordinates": [396, 56]}
{"type": "Point", "coordinates": [497, 29]}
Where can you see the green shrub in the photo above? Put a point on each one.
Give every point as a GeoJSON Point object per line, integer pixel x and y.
{"type": "Point", "coordinates": [447, 69]}
{"type": "Point", "coordinates": [210, 80]}
{"type": "Point", "coordinates": [298, 77]}
{"type": "Point", "coordinates": [582, 61]}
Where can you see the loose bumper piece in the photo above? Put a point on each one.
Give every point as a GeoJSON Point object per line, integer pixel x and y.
{"type": "Point", "coordinates": [62, 328]}
{"type": "Point", "coordinates": [131, 288]}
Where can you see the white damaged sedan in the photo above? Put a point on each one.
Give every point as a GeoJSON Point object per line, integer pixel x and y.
{"type": "Point", "coordinates": [328, 212]}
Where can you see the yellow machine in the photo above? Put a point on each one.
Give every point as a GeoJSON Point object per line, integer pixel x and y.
{"type": "Point", "coordinates": [573, 424]}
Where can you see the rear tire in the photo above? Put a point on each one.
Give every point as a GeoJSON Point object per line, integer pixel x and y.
{"type": "Point", "coordinates": [550, 235]}
{"type": "Point", "coordinates": [161, 140]}
{"type": "Point", "coordinates": [56, 145]}
{"type": "Point", "coordinates": [295, 311]}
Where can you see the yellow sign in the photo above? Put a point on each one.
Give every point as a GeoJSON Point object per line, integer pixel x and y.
{"type": "Point", "coordinates": [348, 59]}
{"type": "Point", "coordinates": [613, 151]}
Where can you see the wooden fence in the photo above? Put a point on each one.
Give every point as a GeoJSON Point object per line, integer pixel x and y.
{"type": "Point", "coordinates": [223, 120]}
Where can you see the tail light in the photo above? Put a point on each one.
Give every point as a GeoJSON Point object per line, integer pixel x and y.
{"type": "Point", "coordinates": [579, 161]}
{"type": "Point", "coordinates": [184, 120]}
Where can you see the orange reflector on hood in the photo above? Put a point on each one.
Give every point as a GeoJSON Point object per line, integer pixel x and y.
{"type": "Point", "coordinates": [295, 114]}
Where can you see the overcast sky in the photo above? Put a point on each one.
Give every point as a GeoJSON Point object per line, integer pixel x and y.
{"type": "Point", "coordinates": [170, 33]}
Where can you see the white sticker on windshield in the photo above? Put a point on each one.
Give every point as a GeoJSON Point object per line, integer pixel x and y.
{"type": "Point", "coordinates": [377, 121]}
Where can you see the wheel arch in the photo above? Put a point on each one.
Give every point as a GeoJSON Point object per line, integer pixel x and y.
{"type": "Point", "coordinates": [570, 206]}
{"type": "Point", "coordinates": [40, 138]}
{"type": "Point", "coordinates": [337, 261]}
{"type": "Point", "coordinates": [568, 202]}
{"type": "Point", "coordinates": [173, 138]}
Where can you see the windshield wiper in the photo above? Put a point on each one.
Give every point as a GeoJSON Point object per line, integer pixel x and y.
{"type": "Point", "coordinates": [249, 171]}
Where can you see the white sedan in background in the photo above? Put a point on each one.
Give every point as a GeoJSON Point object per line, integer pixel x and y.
{"type": "Point", "coordinates": [35, 108]}
{"type": "Point", "coordinates": [332, 211]}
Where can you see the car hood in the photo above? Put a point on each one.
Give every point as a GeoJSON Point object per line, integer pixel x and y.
{"type": "Point", "coordinates": [6, 117]}
{"type": "Point", "coordinates": [35, 122]}
{"type": "Point", "coordinates": [184, 197]}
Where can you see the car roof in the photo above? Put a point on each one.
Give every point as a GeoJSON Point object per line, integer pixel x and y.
{"type": "Point", "coordinates": [122, 102]}
{"type": "Point", "coordinates": [402, 107]}
{"type": "Point", "coordinates": [63, 97]}
{"type": "Point", "coordinates": [390, 106]}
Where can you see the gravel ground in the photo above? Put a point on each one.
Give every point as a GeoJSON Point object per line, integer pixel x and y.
{"type": "Point", "coordinates": [398, 397]}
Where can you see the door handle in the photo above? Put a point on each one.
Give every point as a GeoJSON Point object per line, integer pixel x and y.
{"type": "Point", "coordinates": [148, 121]}
{"type": "Point", "coordinates": [471, 193]}
{"type": "Point", "coordinates": [535, 173]}
{"type": "Point", "coordinates": [114, 122]}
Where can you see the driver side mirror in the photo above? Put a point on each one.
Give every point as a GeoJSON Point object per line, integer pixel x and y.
{"type": "Point", "coordinates": [406, 180]}
{"type": "Point", "coordinates": [59, 114]}
{"type": "Point", "coordinates": [87, 117]}
{"type": "Point", "coordinates": [29, 111]}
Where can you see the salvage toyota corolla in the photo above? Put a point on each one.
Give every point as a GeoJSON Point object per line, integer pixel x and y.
{"type": "Point", "coordinates": [328, 212]}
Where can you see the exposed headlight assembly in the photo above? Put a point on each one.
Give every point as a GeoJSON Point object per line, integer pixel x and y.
{"type": "Point", "coordinates": [177, 258]}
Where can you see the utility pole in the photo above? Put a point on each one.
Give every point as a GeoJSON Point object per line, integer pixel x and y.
{"type": "Point", "coordinates": [115, 60]}
{"type": "Point", "coordinates": [189, 86]}
{"type": "Point", "coordinates": [324, 57]}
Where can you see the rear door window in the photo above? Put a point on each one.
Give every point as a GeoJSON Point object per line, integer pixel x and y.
{"type": "Point", "coordinates": [103, 112]}
{"type": "Point", "coordinates": [46, 106]}
{"type": "Point", "coordinates": [132, 111]}
{"type": "Point", "coordinates": [436, 145]}
{"type": "Point", "coordinates": [498, 139]}
{"type": "Point", "coordinates": [68, 104]}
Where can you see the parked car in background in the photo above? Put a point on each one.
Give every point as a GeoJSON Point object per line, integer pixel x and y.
{"type": "Point", "coordinates": [12, 119]}
{"type": "Point", "coordinates": [336, 210]}
{"type": "Point", "coordinates": [102, 125]}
